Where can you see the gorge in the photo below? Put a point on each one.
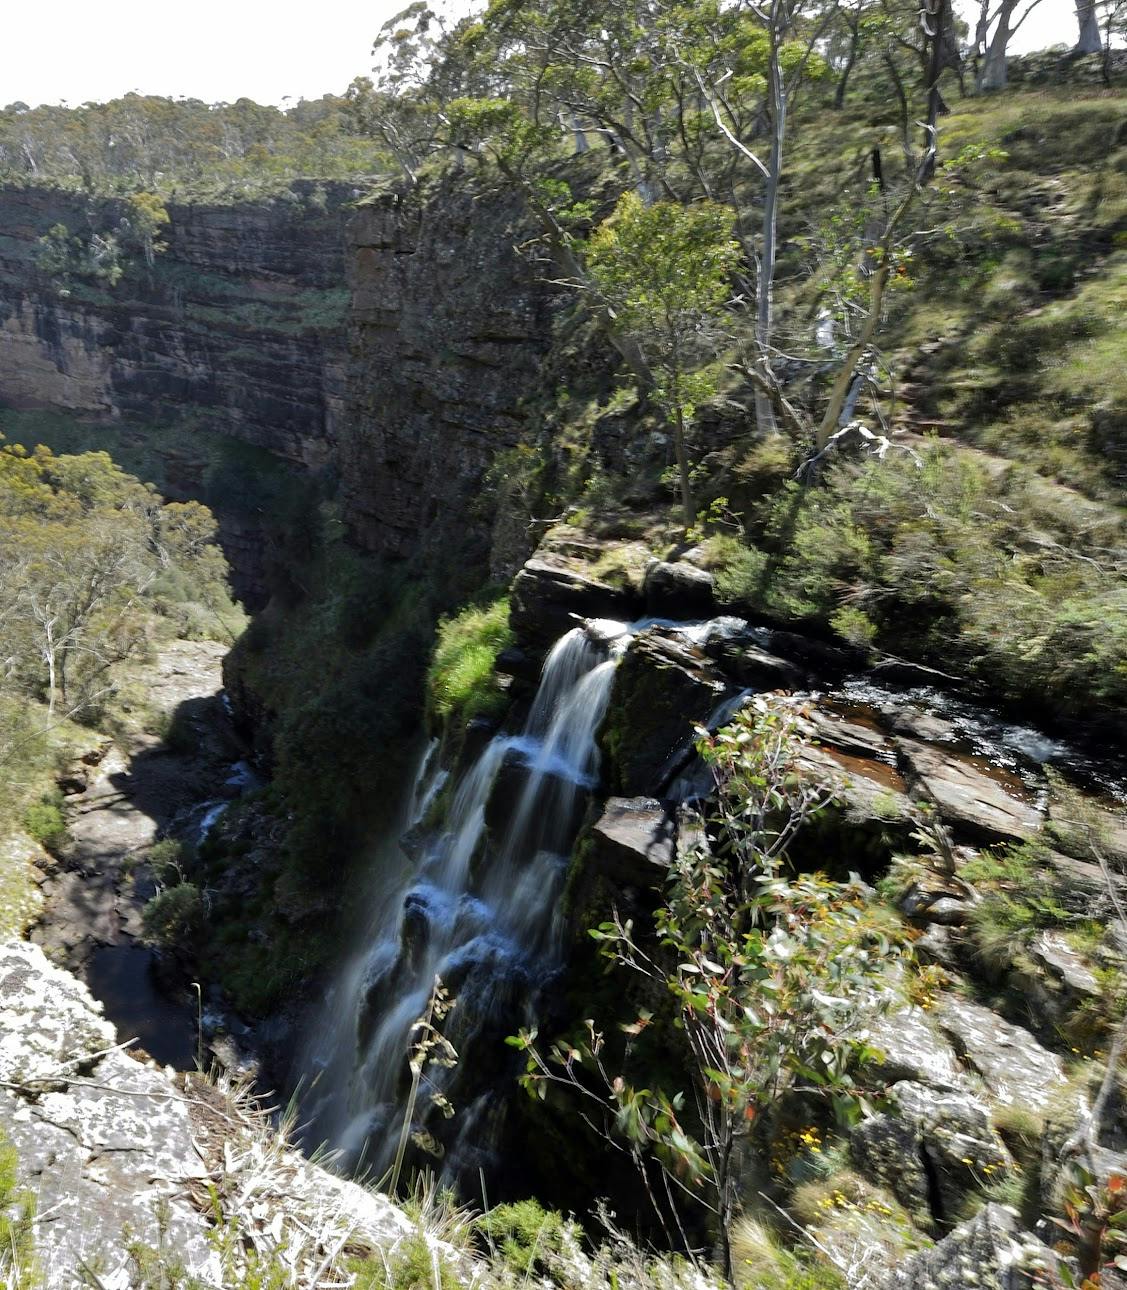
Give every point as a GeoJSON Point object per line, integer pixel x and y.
{"type": "Point", "coordinates": [417, 842]}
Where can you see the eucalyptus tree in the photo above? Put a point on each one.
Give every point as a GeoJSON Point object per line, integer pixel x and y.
{"type": "Point", "coordinates": [665, 270]}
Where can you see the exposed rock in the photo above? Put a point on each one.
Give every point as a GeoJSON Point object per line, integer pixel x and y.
{"type": "Point", "coordinates": [636, 839]}
{"type": "Point", "coordinates": [1083, 886]}
{"type": "Point", "coordinates": [676, 589]}
{"type": "Point", "coordinates": [513, 661]}
{"type": "Point", "coordinates": [1015, 1068]}
{"type": "Point", "coordinates": [241, 322]}
{"type": "Point", "coordinates": [920, 725]}
{"type": "Point", "coordinates": [756, 668]}
{"type": "Point", "coordinates": [1052, 952]}
{"type": "Point", "coordinates": [970, 795]}
{"type": "Point", "coordinates": [868, 789]}
{"type": "Point", "coordinates": [914, 1049]}
{"type": "Point", "coordinates": [105, 1142]}
{"type": "Point", "coordinates": [549, 595]}
{"type": "Point", "coordinates": [989, 1252]}
{"type": "Point", "coordinates": [939, 1147]}
{"type": "Point", "coordinates": [851, 732]}
{"type": "Point", "coordinates": [449, 327]}
{"type": "Point", "coordinates": [73, 780]}
{"type": "Point", "coordinates": [942, 945]}
{"type": "Point", "coordinates": [661, 689]}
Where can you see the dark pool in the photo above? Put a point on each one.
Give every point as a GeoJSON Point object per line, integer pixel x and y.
{"type": "Point", "coordinates": [122, 977]}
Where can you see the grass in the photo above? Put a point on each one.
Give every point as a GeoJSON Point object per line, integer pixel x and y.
{"type": "Point", "coordinates": [18, 1269]}
{"type": "Point", "coordinates": [461, 681]}
{"type": "Point", "coordinates": [931, 557]}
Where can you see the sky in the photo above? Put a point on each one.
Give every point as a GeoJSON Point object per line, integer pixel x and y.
{"type": "Point", "coordinates": [267, 50]}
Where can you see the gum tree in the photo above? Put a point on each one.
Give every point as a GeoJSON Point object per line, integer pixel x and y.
{"type": "Point", "coordinates": [665, 272]}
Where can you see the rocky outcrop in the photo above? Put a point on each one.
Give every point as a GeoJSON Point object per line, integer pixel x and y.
{"type": "Point", "coordinates": [985, 803]}
{"type": "Point", "coordinates": [677, 589]}
{"type": "Point", "coordinates": [449, 325]}
{"type": "Point", "coordinates": [932, 1150]}
{"type": "Point", "coordinates": [636, 840]}
{"type": "Point", "coordinates": [663, 687]}
{"type": "Point", "coordinates": [241, 320]}
{"type": "Point", "coordinates": [115, 1151]}
{"type": "Point", "coordinates": [990, 1252]}
{"type": "Point", "coordinates": [237, 332]}
{"type": "Point", "coordinates": [1016, 1070]}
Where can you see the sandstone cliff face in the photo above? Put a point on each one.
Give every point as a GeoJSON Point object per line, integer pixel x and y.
{"type": "Point", "coordinates": [241, 320]}
{"type": "Point", "coordinates": [391, 342]}
{"type": "Point", "coordinates": [449, 325]}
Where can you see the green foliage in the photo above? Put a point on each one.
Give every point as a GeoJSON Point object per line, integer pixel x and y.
{"type": "Point", "coordinates": [88, 554]}
{"type": "Point", "coordinates": [151, 147]}
{"type": "Point", "coordinates": [415, 1265]}
{"type": "Point", "coordinates": [18, 1266]}
{"type": "Point", "coordinates": [769, 970]}
{"type": "Point", "coordinates": [526, 1235]}
{"type": "Point", "coordinates": [174, 918]}
{"type": "Point", "coordinates": [461, 681]}
{"type": "Point", "coordinates": [664, 271]}
{"type": "Point", "coordinates": [932, 558]}
{"type": "Point", "coordinates": [45, 822]}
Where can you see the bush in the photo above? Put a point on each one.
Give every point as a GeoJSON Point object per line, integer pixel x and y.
{"type": "Point", "coordinates": [17, 1226]}
{"type": "Point", "coordinates": [174, 917]}
{"type": "Point", "coordinates": [44, 821]}
{"type": "Point", "coordinates": [526, 1235]}
{"type": "Point", "coordinates": [461, 679]}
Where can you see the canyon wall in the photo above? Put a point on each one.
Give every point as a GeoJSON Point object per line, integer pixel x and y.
{"type": "Point", "coordinates": [449, 326]}
{"type": "Point", "coordinates": [383, 344]}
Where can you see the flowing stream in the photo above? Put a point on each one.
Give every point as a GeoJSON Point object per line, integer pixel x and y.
{"type": "Point", "coordinates": [479, 909]}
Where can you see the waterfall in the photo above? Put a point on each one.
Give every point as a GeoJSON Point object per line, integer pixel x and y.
{"type": "Point", "coordinates": [480, 908]}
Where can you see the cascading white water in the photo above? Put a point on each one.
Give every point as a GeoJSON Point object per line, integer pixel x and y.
{"type": "Point", "coordinates": [480, 911]}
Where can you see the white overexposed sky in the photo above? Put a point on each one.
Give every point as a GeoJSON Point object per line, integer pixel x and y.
{"type": "Point", "coordinates": [81, 50]}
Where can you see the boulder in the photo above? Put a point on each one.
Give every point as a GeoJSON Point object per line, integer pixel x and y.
{"type": "Point", "coordinates": [676, 589]}
{"type": "Point", "coordinates": [636, 839]}
{"type": "Point", "coordinates": [989, 1252]}
{"type": "Point", "coordinates": [971, 796]}
{"type": "Point", "coordinates": [1051, 952]}
{"type": "Point", "coordinates": [1083, 887]}
{"type": "Point", "coordinates": [932, 1150]}
{"type": "Point", "coordinates": [852, 732]}
{"type": "Point", "coordinates": [914, 1049]}
{"type": "Point", "coordinates": [918, 724]}
{"type": "Point", "coordinates": [943, 945]}
{"type": "Point", "coordinates": [662, 688]}
{"type": "Point", "coordinates": [513, 661]}
{"type": "Point", "coordinates": [549, 593]}
{"type": "Point", "coordinates": [73, 780]}
{"type": "Point", "coordinates": [1016, 1070]}
{"type": "Point", "coordinates": [756, 668]}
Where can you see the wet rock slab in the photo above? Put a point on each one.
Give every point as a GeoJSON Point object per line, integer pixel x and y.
{"type": "Point", "coordinates": [988, 806]}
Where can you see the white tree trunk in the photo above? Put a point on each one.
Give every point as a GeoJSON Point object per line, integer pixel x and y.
{"type": "Point", "coordinates": [994, 69]}
{"type": "Point", "coordinates": [1089, 41]}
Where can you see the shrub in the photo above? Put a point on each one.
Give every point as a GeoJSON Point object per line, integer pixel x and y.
{"type": "Point", "coordinates": [526, 1235]}
{"type": "Point", "coordinates": [174, 917]}
{"type": "Point", "coordinates": [45, 822]}
{"type": "Point", "coordinates": [17, 1226]}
